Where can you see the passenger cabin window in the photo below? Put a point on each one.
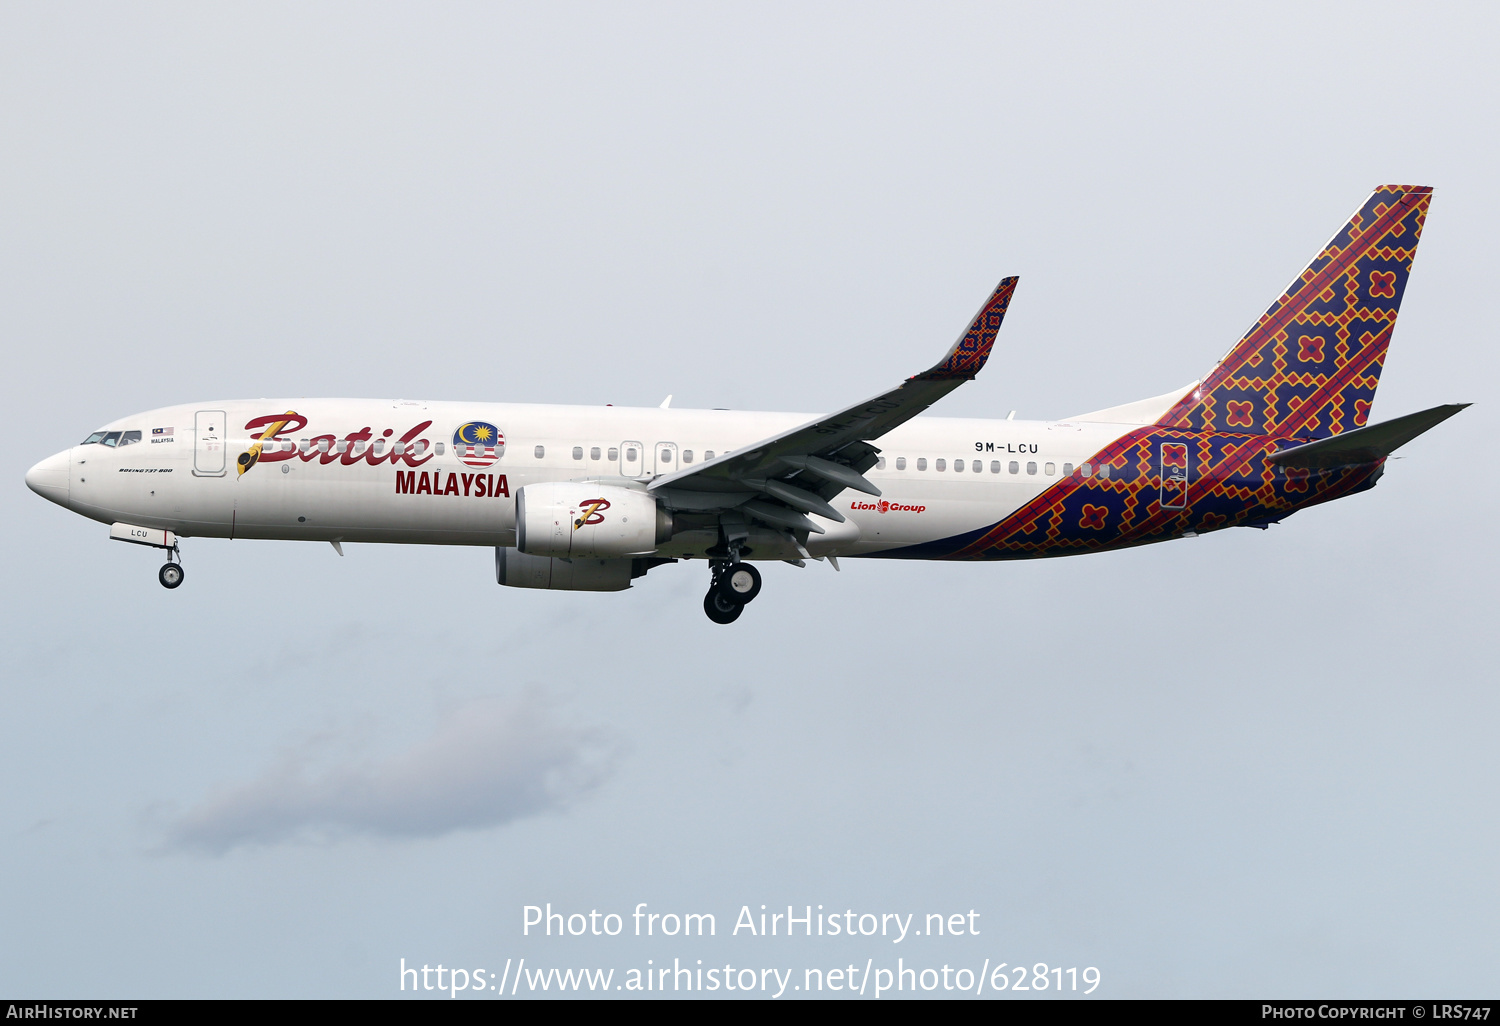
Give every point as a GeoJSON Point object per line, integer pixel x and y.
{"type": "Point", "coordinates": [687, 455]}
{"type": "Point", "coordinates": [1031, 468]}
{"type": "Point", "coordinates": [900, 462]}
{"type": "Point", "coordinates": [942, 464]}
{"type": "Point", "coordinates": [540, 451]}
{"type": "Point", "coordinates": [130, 437]}
{"type": "Point", "coordinates": [594, 453]}
{"type": "Point", "coordinates": [578, 452]}
{"type": "Point", "coordinates": [379, 446]}
{"type": "Point", "coordinates": [666, 456]}
{"type": "Point", "coordinates": [323, 444]}
{"type": "Point", "coordinates": [921, 462]}
{"type": "Point", "coordinates": [1104, 470]}
{"type": "Point", "coordinates": [1087, 470]}
{"type": "Point", "coordinates": [1015, 468]}
{"type": "Point", "coordinates": [1067, 470]}
{"type": "Point", "coordinates": [708, 454]}
{"type": "Point", "coordinates": [958, 466]}
{"type": "Point", "coordinates": [994, 466]}
{"type": "Point", "coordinates": [880, 463]}
{"type": "Point", "coordinates": [630, 454]}
{"type": "Point", "coordinates": [1050, 469]}
{"type": "Point", "coordinates": [614, 454]}
{"type": "Point", "coordinates": [93, 439]}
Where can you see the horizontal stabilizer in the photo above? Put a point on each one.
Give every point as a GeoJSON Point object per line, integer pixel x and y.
{"type": "Point", "coordinates": [1366, 444]}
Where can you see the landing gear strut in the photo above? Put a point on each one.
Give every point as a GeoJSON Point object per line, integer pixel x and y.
{"type": "Point", "coordinates": [733, 586]}
{"type": "Point", "coordinates": [170, 575]}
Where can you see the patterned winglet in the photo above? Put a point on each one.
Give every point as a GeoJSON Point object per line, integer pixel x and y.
{"type": "Point", "coordinates": [972, 349]}
{"type": "Point", "coordinates": [1309, 367]}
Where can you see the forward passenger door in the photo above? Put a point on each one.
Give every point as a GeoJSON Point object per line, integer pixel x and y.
{"type": "Point", "coordinates": [209, 427]}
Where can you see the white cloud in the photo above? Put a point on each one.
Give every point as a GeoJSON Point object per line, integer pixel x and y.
{"type": "Point", "coordinates": [487, 763]}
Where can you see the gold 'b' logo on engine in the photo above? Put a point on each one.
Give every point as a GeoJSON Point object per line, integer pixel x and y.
{"type": "Point", "coordinates": [591, 512]}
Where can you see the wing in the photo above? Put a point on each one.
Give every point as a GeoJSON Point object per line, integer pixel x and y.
{"type": "Point", "coordinates": [780, 479]}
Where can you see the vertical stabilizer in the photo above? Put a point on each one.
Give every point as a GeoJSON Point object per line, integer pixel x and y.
{"type": "Point", "coordinates": [1309, 367]}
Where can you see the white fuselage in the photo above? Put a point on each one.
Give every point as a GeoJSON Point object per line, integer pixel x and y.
{"type": "Point", "coordinates": [182, 474]}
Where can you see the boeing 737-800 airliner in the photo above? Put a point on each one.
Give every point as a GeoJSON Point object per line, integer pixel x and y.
{"type": "Point", "coordinates": [589, 498]}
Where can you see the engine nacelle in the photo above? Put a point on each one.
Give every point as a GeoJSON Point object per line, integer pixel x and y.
{"type": "Point", "coordinates": [516, 569]}
{"type": "Point", "coordinates": [588, 521]}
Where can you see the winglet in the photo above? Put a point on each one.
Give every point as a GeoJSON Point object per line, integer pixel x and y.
{"type": "Point", "coordinates": [967, 357]}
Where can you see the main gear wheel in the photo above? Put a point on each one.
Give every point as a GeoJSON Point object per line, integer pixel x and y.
{"type": "Point", "coordinates": [739, 583]}
{"type": "Point", "coordinates": [721, 609]}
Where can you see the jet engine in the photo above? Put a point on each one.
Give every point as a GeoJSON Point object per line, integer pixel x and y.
{"type": "Point", "coordinates": [516, 569]}
{"type": "Point", "coordinates": [583, 520]}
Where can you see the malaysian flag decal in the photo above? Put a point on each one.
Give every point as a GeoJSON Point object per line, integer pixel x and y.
{"type": "Point", "coordinates": [478, 444]}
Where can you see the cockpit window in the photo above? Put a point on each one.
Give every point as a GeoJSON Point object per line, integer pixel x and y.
{"type": "Point", "coordinates": [97, 436]}
{"type": "Point", "coordinates": [130, 437]}
{"type": "Point", "coordinates": [111, 439]}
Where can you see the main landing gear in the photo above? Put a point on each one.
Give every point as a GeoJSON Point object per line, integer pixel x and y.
{"type": "Point", "coordinates": [170, 575]}
{"type": "Point", "coordinates": [732, 587]}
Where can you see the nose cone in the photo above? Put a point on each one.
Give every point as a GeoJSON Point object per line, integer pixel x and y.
{"type": "Point", "coordinates": [49, 478]}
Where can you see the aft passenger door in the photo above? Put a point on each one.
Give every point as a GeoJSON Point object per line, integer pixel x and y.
{"type": "Point", "coordinates": [1174, 475]}
{"type": "Point", "coordinates": [209, 428]}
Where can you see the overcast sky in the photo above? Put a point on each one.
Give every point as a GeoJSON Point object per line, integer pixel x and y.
{"type": "Point", "coordinates": [1250, 764]}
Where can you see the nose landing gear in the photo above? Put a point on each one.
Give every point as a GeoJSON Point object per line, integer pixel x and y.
{"type": "Point", "coordinates": [171, 574]}
{"type": "Point", "coordinates": [732, 587]}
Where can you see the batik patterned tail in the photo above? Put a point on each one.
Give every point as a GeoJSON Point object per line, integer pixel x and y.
{"type": "Point", "coordinates": [1309, 367]}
